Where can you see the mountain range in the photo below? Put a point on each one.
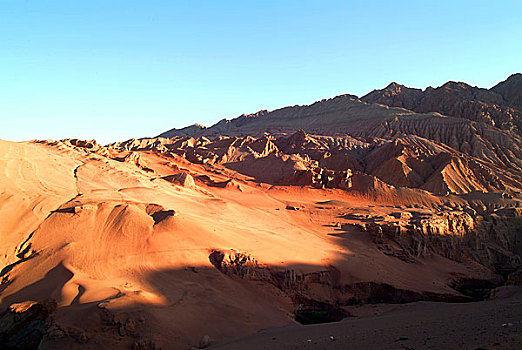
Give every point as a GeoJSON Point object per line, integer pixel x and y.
{"type": "Point", "coordinates": [500, 106]}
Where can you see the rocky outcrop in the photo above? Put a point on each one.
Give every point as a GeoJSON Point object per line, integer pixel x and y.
{"type": "Point", "coordinates": [233, 262]}
{"type": "Point", "coordinates": [24, 326]}
{"type": "Point", "coordinates": [89, 144]}
{"type": "Point", "coordinates": [182, 179]}
{"type": "Point", "coordinates": [131, 157]}
{"type": "Point", "coordinates": [159, 213]}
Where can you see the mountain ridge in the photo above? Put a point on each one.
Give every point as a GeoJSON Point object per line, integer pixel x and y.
{"type": "Point", "coordinates": [453, 99]}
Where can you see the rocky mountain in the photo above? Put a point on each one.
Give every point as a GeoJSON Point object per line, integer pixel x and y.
{"type": "Point", "coordinates": [499, 106]}
{"type": "Point", "coordinates": [455, 138]}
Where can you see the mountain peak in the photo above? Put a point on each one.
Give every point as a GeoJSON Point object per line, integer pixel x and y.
{"type": "Point", "coordinates": [394, 86]}
{"type": "Point", "coordinates": [456, 85]}
{"type": "Point", "coordinates": [511, 90]}
{"type": "Point", "coordinates": [395, 95]}
{"type": "Point", "coordinates": [515, 76]}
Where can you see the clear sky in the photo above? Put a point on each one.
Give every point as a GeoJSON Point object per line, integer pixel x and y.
{"type": "Point", "coordinates": [113, 70]}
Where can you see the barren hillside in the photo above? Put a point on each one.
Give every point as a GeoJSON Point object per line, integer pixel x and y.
{"type": "Point", "coordinates": [289, 217]}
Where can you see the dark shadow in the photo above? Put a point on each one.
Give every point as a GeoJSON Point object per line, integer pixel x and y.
{"type": "Point", "coordinates": [9, 267]}
{"type": "Point", "coordinates": [337, 226]}
{"type": "Point", "coordinates": [161, 215]}
{"type": "Point", "coordinates": [255, 295]}
{"type": "Point", "coordinates": [342, 234]}
{"type": "Point", "coordinates": [50, 285]}
{"type": "Point", "coordinates": [4, 283]}
{"type": "Point", "coordinates": [70, 210]}
{"type": "Point", "coordinates": [76, 300]}
{"type": "Point", "coordinates": [319, 313]}
{"type": "Point", "coordinates": [219, 184]}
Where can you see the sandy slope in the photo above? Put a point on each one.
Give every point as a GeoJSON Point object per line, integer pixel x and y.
{"type": "Point", "coordinates": [126, 253]}
{"type": "Point", "coordinates": [33, 182]}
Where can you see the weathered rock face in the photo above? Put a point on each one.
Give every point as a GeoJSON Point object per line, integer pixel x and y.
{"type": "Point", "coordinates": [493, 240]}
{"type": "Point", "coordinates": [450, 234]}
{"type": "Point", "coordinates": [408, 236]}
{"type": "Point", "coordinates": [497, 241]}
{"type": "Point", "coordinates": [131, 157]}
{"type": "Point", "coordinates": [159, 213]}
{"type": "Point", "coordinates": [295, 285]}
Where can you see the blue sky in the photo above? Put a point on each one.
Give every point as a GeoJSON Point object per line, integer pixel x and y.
{"type": "Point", "coordinates": [113, 70]}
